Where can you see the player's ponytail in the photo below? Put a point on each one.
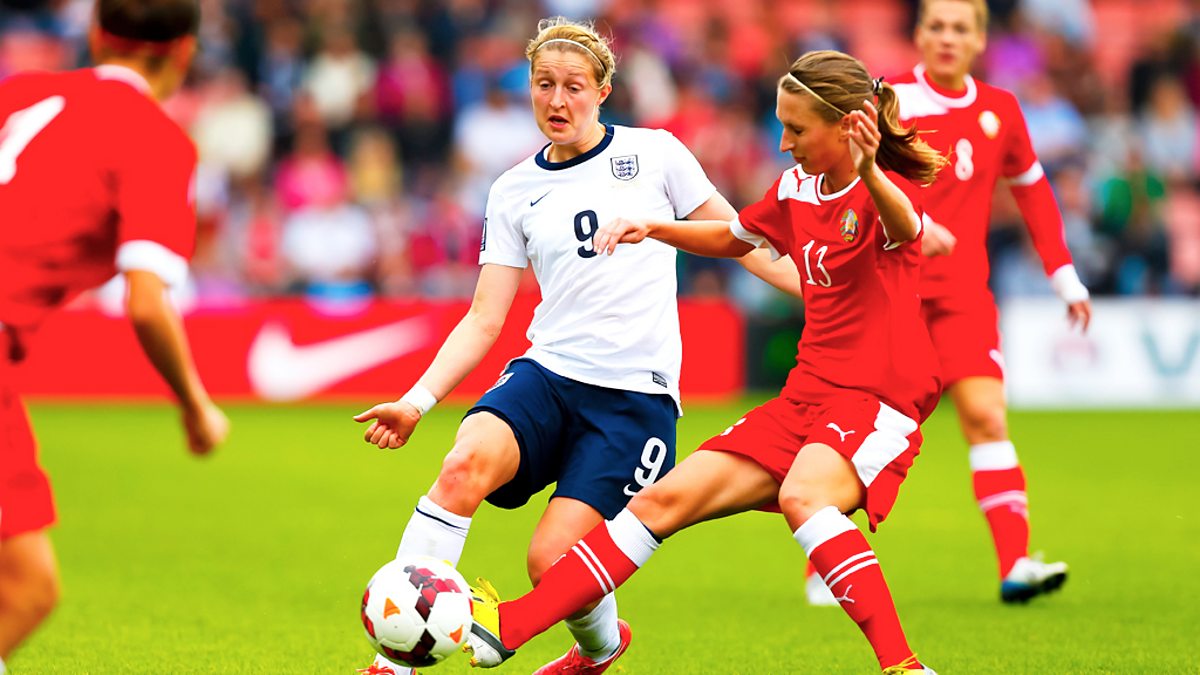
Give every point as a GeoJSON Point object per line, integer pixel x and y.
{"type": "Point", "coordinates": [840, 84]}
{"type": "Point", "coordinates": [900, 149]}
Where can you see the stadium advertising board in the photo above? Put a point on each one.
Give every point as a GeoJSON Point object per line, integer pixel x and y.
{"type": "Point", "coordinates": [286, 350]}
{"type": "Point", "coordinates": [1137, 353]}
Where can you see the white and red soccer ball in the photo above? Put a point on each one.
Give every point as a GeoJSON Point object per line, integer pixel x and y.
{"type": "Point", "coordinates": [417, 611]}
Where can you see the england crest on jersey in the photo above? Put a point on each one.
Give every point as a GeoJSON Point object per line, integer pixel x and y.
{"type": "Point", "coordinates": [625, 167]}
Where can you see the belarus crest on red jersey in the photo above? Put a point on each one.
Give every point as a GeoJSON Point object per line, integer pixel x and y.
{"type": "Point", "coordinates": [849, 226]}
{"type": "Point", "coordinates": [989, 122]}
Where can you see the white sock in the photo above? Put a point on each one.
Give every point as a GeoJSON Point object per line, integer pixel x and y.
{"type": "Point", "coordinates": [632, 536]}
{"type": "Point", "coordinates": [2, 668]}
{"type": "Point", "coordinates": [432, 530]}
{"type": "Point", "coordinates": [994, 456]}
{"type": "Point", "coordinates": [597, 632]}
{"type": "Point", "coordinates": [821, 527]}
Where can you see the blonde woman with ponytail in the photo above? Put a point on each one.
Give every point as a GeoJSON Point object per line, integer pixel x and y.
{"type": "Point", "coordinates": [591, 406]}
{"type": "Point", "coordinates": [982, 131]}
{"type": "Point", "coordinates": [844, 431]}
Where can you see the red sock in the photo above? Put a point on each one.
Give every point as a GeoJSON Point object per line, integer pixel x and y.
{"type": "Point", "coordinates": [594, 567]}
{"type": "Point", "coordinates": [1001, 497]}
{"type": "Point", "coordinates": [846, 562]}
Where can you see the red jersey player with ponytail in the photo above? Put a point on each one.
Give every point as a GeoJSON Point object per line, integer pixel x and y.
{"type": "Point", "coordinates": [981, 130]}
{"type": "Point", "coordinates": [844, 431]}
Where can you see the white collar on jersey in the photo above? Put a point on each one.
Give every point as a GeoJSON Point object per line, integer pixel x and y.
{"type": "Point", "coordinates": [835, 195]}
{"type": "Point", "coordinates": [108, 71]}
{"type": "Point", "coordinates": [947, 101]}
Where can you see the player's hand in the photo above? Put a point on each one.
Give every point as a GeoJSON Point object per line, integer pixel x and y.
{"type": "Point", "coordinates": [393, 423]}
{"type": "Point", "coordinates": [937, 239]}
{"type": "Point", "coordinates": [1080, 314]}
{"type": "Point", "coordinates": [619, 231]}
{"type": "Point", "coordinates": [206, 427]}
{"type": "Point", "coordinates": [864, 137]}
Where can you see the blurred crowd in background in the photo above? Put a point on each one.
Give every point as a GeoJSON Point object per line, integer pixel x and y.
{"type": "Point", "coordinates": [347, 146]}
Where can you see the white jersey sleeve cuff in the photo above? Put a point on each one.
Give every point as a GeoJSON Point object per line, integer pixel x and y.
{"type": "Point", "coordinates": [889, 245]}
{"type": "Point", "coordinates": [1028, 177]}
{"type": "Point", "coordinates": [151, 256]}
{"type": "Point", "coordinates": [1065, 282]}
{"type": "Point", "coordinates": [755, 240]}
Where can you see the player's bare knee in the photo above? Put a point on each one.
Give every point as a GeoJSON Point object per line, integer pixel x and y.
{"type": "Point", "coordinates": [34, 595]}
{"type": "Point", "coordinates": [984, 423]}
{"type": "Point", "coordinates": [799, 502]}
{"type": "Point", "coordinates": [46, 595]}
{"type": "Point", "coordinates": [539, 559]}
{"type": "Point", "coordinates": [664, 511]}
{"type": "Point", "coordinates": [463, 480]}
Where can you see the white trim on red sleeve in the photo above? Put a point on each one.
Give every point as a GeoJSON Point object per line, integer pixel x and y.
{"type": "Point", "coordinates": [889, 245]}
{"type": "Point", "coordinates": [755, 240]}
{"type": "Point", "coordinates": [1029, 176]}
{"type": "Point", "coordinates": [151, 256]}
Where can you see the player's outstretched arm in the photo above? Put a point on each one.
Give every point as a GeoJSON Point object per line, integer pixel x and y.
{"type": "Point", "coordinates": [781, 273]}
{"type": "Point", "coordinates": [393, 423]}
{"type": "Point", "coordinates": [1040, 210]}
{"type": "Point", "coordinates": [160, 332]}
{"type": "Point", "coordinates": [711, 238]}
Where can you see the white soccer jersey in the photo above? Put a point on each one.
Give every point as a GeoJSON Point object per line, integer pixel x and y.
{"type": "Point", "coordinates": [611, 321]}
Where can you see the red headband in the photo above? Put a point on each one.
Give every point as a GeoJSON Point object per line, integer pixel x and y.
{"type": "Point", "coordinates": [125, 45]}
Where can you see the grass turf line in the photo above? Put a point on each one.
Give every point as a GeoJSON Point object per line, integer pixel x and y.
{"type": "Point", "coordinates": [254, 560]}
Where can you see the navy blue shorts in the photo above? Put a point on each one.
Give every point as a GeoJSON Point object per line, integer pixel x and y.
{"type": "Point", "coordinates": [600, 445]}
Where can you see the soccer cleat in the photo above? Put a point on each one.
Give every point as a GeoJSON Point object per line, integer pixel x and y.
{"type": "Point", "coordinates": [577, 664]}
{"type": "Point", "coordinates": [909, 666]}
{"type": "Point", "coordinates": [382, 666]}
{"type": "Point", "coordinates": [1030, 577]}
{"type": "Point", "coordinates": [483, 642]}
{"type": "Point", "coordinates": [818, 593]}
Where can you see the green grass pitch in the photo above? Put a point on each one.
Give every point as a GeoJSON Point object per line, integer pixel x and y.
{"type": "Point", "coordinates": [254, 560]}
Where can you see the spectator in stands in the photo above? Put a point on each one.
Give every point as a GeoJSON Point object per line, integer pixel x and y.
{"type": "Point", "coordinates": [338, 79]}
{"type": "Point", "coordinates": [412, 97]}
{"type": "Point", "coordinates": [1167, 130]}
{"type": "Point", "coordinates": [1130, 215]}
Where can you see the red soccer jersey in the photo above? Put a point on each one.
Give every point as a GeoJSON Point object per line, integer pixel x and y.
{"type": "Point", "coordinates": [94, 179]}
{"type": "Point", "coordinates": [982, 132]}
{"type": "Point", "coordinates": [863, 328]}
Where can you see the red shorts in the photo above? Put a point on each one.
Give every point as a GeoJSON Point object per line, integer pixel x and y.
{"type": "Point", "coordinates": [878, 440]}
{"type": "Point", "coordinates": [26, 503]}
{"type": "Point", "coordinates": [966, 336]}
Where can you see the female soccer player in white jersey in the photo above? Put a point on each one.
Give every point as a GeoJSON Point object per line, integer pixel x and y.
{"type": "Point", "coordinates": [982, 131]}
{"type": "Point", "coordinates": [844, 431]}
{"type": "Point", "coordinates": [592, 405]}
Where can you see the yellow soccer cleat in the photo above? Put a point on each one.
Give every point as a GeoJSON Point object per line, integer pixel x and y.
{"type": "Point", "coordinates": [909, 666]}
{"type": "Point", "coordinates": [483, 643]}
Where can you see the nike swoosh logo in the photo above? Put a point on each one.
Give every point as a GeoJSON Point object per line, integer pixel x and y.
{"type": "Point", "coordinates": [534, 202]}
{"type": "Point", "coordinates": [280, 370]}
{"type": "Point", "coordinates": [631, 493]}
